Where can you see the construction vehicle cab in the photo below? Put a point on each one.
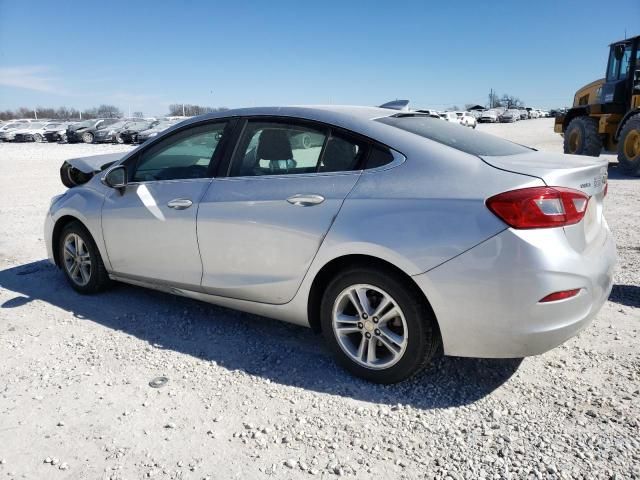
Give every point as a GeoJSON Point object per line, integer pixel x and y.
{"type": "Point", "coordinates": [606, 113]}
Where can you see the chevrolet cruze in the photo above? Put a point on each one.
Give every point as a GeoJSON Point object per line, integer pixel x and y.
{"type": "Point", "coordinates": [394, 234]}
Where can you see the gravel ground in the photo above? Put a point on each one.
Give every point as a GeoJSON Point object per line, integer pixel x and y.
{"type": "Point", "coordinates": [253, 398]}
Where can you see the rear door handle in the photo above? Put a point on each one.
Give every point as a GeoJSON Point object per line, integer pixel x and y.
{"type": "Point", "coordinates": [305, 200]}
{"type": "Point", "coordinates": [180, 203]}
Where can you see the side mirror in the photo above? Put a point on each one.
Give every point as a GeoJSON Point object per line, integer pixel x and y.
{"type": "Point", "coordinates": [115, 177]}
{"type": "Point", "coordinates": [618, 52]}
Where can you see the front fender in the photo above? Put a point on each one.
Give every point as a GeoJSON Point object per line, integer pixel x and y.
{"type": "Point", "coordinates": [83, 203]}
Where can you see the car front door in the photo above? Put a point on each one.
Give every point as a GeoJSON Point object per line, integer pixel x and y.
{"type": "Point", "coordinates": [149, 227]}
{"type": "Point", "coordinates": [260, 227]}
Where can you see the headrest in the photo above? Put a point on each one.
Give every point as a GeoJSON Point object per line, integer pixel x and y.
{"type": "Point", "coordinates": [339, 155]}
{"type": "Point", "coordinates": [274, 145]}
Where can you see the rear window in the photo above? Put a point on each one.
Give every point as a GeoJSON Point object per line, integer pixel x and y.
{"type": "Point", "coordinates": [455, 136]}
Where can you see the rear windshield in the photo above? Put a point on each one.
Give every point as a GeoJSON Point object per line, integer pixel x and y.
{"type": "Point", "coordinates": [455, 136]}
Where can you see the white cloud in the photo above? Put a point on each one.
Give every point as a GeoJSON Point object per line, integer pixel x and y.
{"type": "Point", "coordinates": [33, 77]}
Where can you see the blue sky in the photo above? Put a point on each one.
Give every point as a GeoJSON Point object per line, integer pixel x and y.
{"type": "Point", "coordinates": [144, 55]}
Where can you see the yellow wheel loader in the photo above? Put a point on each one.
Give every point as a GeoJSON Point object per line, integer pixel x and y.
{"type": "Point", "coordinates": [606, 113]}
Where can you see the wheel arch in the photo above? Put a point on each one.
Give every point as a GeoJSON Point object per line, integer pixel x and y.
{"type": "Point", "coordinates": [573, 113]}
{"type": "Point", "coordinates": [331, 268]}
{"type": "Point", "coordinates": [631, 113]}
{"type": "Point", "coordinates": [57, 231]}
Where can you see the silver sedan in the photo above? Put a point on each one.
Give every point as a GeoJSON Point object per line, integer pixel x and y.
{"type": "Point", "coordinates": [394, 234]}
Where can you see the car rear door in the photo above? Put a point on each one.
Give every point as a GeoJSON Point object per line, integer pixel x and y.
{"type": "Point", "coordinates": [149, 227]}
{"type": "Point", "coordinates": [262, 222]}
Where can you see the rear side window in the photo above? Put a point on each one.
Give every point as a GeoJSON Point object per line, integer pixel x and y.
{"type": "Point", "coordinates": [379, 157]}
{"type": "Point", "coordinates": [455, 136]}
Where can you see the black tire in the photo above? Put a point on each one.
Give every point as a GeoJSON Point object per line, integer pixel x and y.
{"type": "Point", "coordinates": [629, 147]}
{"type": "Point", "coordinates": [98, 279]}
{"type": "Point", "coordinates": [37, 138]}
{"type": "Point", "coordinates": [423, 334]}
{"type": "Point", "coordinates": [87, 137]}
{"type": "Point", "coordinates": [582, 137]}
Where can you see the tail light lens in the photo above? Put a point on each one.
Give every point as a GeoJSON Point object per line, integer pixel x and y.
{"type": "Point", "coordinates": [539, 207]}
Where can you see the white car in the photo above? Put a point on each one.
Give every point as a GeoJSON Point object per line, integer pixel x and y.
{"type": "Point", "coordinates": [467, 119]}
{"type": "Point", "coordinates": [18, 134]}
{"type": "Point", "coordinates": [451, 117]}
{"type": "Point", "coordinates": [35, 132]}
{"type": "Point", "coordinates": [489, 116]}
{"type": "Point", "coordinates": [533, 113]}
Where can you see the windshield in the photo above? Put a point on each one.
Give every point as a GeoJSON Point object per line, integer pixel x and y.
{"type": "Point", "coordinates": [451, 135]}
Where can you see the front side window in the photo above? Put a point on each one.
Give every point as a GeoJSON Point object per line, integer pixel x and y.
{"type": "Point", "coordinates": [184, 155]}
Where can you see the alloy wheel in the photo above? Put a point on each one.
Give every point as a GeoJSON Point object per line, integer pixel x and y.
{"type": "Point", "coordinates": [77, 259]}
{"type": "Point", "coordinates": [369, 326]}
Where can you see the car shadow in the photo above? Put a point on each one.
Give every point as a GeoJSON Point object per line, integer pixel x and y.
{"type": "Point", "coordinates": [628, 295]}
{"type": "Point", "coordinates": [283, 353]}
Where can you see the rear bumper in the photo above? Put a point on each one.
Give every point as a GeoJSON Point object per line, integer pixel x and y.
{"type": "Point", "coordinates": [487, 299]}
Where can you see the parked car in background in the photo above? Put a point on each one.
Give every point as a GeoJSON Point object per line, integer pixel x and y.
{"type": "Point", "coordinates": [130, 133]}
{"type": "Point", "coordinates": [85, 131]}
{"type": "Point", "coordinates": [475, 113]}
{"type": "Point", "coordinates": [450, 117]}
{"type": "Point", "coordinates": [59, 133]}
{"type": "Point", "coordinates": [524, 115]}
{"type": "Point", "coordinates": [532, 112]}
{"type": "Point", "coordinates": [109, 133]}
{"type": "Point", "coordinates": [7, 131]}
{"type": "Point", "coordinates": [35, 132]}
{"type": "Point", "coordinates": [341, 238]}
{"type": "Point", "coordinates": [510, 116]}
{"type": "Point", "coordinates": [156, 130]}
{"type": "Point", "coordinates": [24, 132]}
{"type": "Point", "coordinates": [466, 119]}
{"type": "Point", "coordinates": [488, 116]}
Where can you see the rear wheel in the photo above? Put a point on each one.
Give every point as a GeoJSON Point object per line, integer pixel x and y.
{"type": "Point", "coordinates": [377, 326]}
{"type": "Point", "coordinates": [582, 137]}
{"type": "Point", "coordinates": [629, 147]}
{"type": "Point", "coordinates": [87, 137]}
{"type": "Point", "coordinates": [81, 260]}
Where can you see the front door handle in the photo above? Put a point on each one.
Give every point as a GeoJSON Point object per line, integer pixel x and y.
{"type": "Point", "coordinates": [305, 200]}
{"type": "Point", "coordinates": [180, 203]}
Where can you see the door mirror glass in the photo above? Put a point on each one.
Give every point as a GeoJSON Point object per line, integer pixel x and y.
{"type": "Point", "coordinates": [116, 177]}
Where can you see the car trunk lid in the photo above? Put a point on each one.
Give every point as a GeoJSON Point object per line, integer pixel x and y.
{"type": "Point", "coordinates": [587, 174]}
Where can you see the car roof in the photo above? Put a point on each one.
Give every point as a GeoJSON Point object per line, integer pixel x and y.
{"type": "Point", "coordinates": [321, 113]}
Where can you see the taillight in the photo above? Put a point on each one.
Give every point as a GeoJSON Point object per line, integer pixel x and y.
{"type": "Point", "coordinates": [539, 207]}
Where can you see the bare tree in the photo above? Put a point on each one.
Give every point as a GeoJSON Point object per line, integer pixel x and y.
{"type": "Point", "coordinates": [108, 111]}
{"type": "Point", "coordinates": [509, 101]}
{"type": "Point", "coordinates": [179, 109]}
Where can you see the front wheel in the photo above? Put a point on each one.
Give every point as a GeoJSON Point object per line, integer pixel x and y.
{"type": "Point", "coordinates": [377, 326]}
{"type": "Point", "coordinates": [87, 137]}
{"type": "Point", "coordinates": [37, 138]}
{"type": "Point", "coordinates": [629, 147]}
{"type": "Point", "coordinates": [81, 260]}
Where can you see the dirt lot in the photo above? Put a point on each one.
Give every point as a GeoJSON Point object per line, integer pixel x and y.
{"type": "Point", "coordinates": [254, 398]}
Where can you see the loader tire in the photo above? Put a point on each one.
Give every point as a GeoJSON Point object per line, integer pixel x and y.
{"type": "Point", "coordinates": [582, 137]}
{"type": "Point", "coordinates": [629, 147]}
